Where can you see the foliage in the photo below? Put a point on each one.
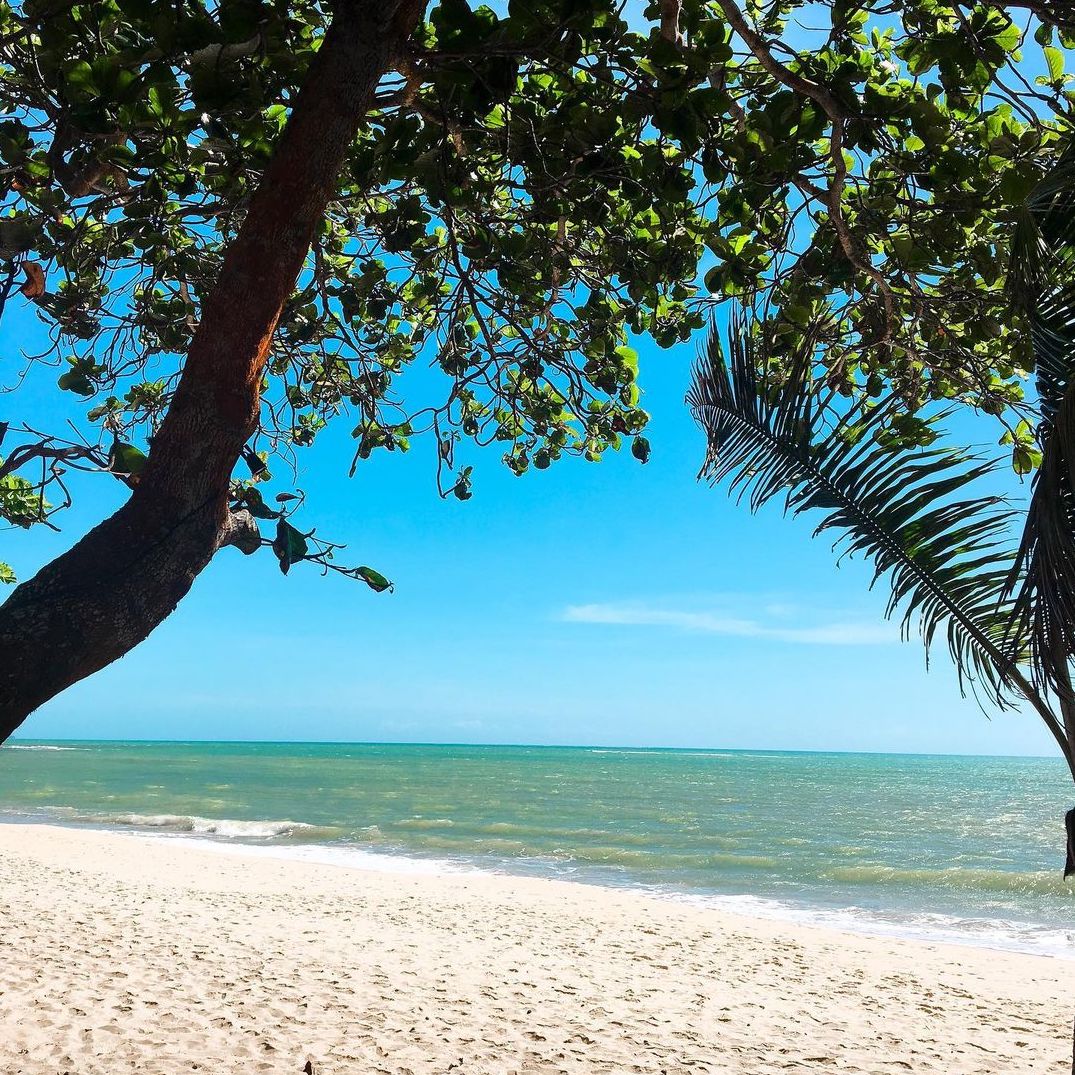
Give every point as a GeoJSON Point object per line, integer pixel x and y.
{"type": "Point", "coordinates": [535, 188]}
{"type": "Point", "coordinates": [908, 511]}
{"type": "Point", "coordinates": [1042, 282]}
{"type": "Point", "coordinates": [776, 429]}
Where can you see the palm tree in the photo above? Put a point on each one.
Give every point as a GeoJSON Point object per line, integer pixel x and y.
{"type": "Point", "coordinates": [776, 430]}
{"type": "Point", "coordinates": [1042, 286]}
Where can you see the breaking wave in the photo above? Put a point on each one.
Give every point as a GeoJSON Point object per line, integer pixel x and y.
{"type": "Point", "coordinates": [230, 828]}
{"type": "Point", "coordinates": [37, 746]}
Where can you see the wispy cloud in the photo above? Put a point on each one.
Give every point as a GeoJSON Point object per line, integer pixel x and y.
{"type": "Point", "coordinates": [837, 632]}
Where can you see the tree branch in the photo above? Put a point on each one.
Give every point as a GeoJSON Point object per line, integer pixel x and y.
{"type": "Point", "coordinates": [832, 198]}
{"type": "Point", "coordinates": [1058, 13]}
{"type": "Point", "coordinates": [117, 584]}
{"type": "Point", "coordinates": [47, 449]}
{"type": "Point", "coordinates": [764, 55]}
{"type": "Point", "coordinates": [670, 21]}
{"type": "Point", "coordinates": [241, 530]}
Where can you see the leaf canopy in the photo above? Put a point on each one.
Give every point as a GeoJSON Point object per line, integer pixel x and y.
{"type": "Point", "coordinates": [536, 187]}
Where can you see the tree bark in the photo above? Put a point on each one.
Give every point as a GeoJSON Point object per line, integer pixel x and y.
{"type": "Point", "coordinates": [109, 591]}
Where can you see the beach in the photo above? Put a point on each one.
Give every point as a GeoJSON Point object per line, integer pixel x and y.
{"type": "Point", "coordinates": [125, 953]}
{"type": "Point", "coordinates": [963, 850]}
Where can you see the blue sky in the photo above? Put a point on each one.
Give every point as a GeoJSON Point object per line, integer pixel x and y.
{"type": "Point", "coordinates": [591, 603]}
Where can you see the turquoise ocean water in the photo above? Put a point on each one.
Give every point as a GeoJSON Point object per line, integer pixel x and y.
{"type": "Point", "coordinates": [950, 848]}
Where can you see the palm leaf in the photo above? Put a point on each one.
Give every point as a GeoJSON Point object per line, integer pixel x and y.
{"type": "Point", "coordinates": [1042, 287]}
{"type": "Point", "coordinates": [773, 431]}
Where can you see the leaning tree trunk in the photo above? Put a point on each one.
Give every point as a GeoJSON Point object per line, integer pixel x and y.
{"type": "Point", "coordinates": [108, 592]}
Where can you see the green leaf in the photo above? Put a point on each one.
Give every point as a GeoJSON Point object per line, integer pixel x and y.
{"type": "Point", "coordinates": [289, 545]}
{"type": "Point", "coordinates": [640, 449]}
{"type": "Point", "coordinates": [1025, 459]}
{"type": "Point", "coordinates": [126, 459]}
{"type": "Point", "coordinates": [462, 488]}
{"type": "Point", "coordinates": [373, 579]}
{"type": "Point", "coordinates": [7, 576]}
{"type": "Point", "coordinates": [256, 505]}
{"type": "Point", "coordinates": [1008, 38]}
{"type": "Point", "coordinates": [1055, 59]}
{"type": "Point", "coordinates": [80, 74]}
{"type": "Point", "coordinates": [76, 381]}
{"type": "Point", "coordinates": [714, 279]}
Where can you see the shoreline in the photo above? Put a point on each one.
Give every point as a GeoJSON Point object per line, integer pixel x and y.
{"type": "Point", "coordinates": [150, 955]}
{"type": "Point", "coordinates": [995, 934]}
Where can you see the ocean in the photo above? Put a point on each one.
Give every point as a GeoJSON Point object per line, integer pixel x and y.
{"type": "Point", "coordinates": [963, 849]}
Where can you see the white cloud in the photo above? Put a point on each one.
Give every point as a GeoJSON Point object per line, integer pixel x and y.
{"type": "Point", "coordinates": [836, 633]}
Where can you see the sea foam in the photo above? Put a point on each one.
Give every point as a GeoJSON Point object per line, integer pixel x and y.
{"type": "Point", "coordinates": [38, 746]}
{"type": "Point", "coordinates": [231, 828]}
{"type": "Point", "coordinates": [995, 933]}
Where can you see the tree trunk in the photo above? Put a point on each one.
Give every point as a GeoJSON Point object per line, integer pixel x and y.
{"type": "Point", "coordinates": [100, 599]}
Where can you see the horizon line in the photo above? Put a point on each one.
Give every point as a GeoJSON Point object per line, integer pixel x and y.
{"type": "Point", "coordinates": [528, 746]}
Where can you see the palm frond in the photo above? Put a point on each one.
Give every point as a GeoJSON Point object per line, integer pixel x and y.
{"type": "Point", "coordinates": [1042, 286]}
{"type": "Point", "coordinates": [773, 431]}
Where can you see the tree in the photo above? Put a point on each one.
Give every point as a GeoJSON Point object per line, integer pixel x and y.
{"type": "Point", "coordinates": [241, 220]}
{"type": "Point", "coordinates": [775, 428]}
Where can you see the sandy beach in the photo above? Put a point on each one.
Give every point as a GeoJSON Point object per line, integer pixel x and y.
{"type": "Point", "coordinates": [127, 954]}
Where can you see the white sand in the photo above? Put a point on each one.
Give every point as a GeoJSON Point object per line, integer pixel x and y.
{"type": "Point", "coordinates": [125, 954]}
